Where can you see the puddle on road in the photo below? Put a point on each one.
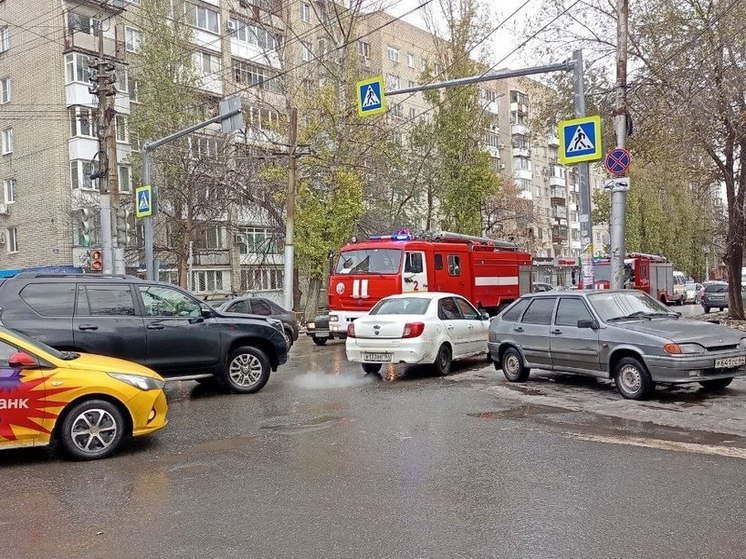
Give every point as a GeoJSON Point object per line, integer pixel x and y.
{"type": "Point", "coordinates": [527, 410]}
{"type": "Point", "coordinates": [314, 424]}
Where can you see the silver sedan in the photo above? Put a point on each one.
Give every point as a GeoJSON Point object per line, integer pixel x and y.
{"type": "Point", "coordinates": [621, 334]}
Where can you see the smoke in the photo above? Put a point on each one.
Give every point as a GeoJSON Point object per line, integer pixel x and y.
{"type": "Point", "coordinates": [322, 381]}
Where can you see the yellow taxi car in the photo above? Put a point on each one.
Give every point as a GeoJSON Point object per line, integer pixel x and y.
{"type": "Point", "coordinates": [87, 403]}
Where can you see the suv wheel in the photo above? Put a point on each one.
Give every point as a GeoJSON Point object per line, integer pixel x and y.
{"type": "Point", "coordinates": [247, 370]}
{"type": "Point", "coordinates": [320, 341]}
{"type": "Point", "coordinates": [706, 309]}
{"type": "Point", "coordinates": [513, 367]}
{"type": "Point", "coordinates": [632, 379]}
{"type": "Point", "coordinates": [93, 429]}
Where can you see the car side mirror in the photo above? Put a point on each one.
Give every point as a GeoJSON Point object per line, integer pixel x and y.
{"type": "Point", "coordinates": [587, 324]}
{"type": "Point", "coordinates": [207, 312]}
{"type": "Point", "coordinates": [485, 316]}
{"type": "Point", "coordinates": [21, 360]}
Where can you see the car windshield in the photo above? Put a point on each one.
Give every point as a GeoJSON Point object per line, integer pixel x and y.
{"type": "Point", "coordinates": [38, 345]}
{"type": "Point", "coordinates": [401, 305]}
{"type": "Point", "coordinates": [373, 261]}
{"type": "Point", "coordinates": [618, 305]}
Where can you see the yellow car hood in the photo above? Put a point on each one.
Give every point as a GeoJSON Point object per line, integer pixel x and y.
{"type": "Point", "coordinates": [91, 362]}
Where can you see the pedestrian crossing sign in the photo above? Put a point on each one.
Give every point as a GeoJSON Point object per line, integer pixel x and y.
{"type": "Point", "coordinates": [144, 206]}
{"type": "Point", "coordinates": [580, 140]}
{"type": "Point", "coordinates": [371, 99]}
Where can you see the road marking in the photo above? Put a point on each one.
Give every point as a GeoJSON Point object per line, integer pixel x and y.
{"type": "Point", "coordinates": [661, 444]}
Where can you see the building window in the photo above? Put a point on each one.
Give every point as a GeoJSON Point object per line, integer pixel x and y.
{"type": "Point", "coordinates": [253, 35]}
{"type": "Point", "coordinates": [307, 54]}
{"type": "Point", "coordinates": [203, 147]}
{"type": "Point", "coordinates": [396, 109]}
{"type": "Point", "coordinates": [80, 174]}
{"type": "Point", "coordinates": [521, 142]}
{"type": "Point", "coordinates": [213, 239]}
{"type": "Point", "coordinates": [257, 240]}
{"type": "Point", "coordinates": [208, 280]}
{"type": "Point", "coordinates": [76, 67]}
{"type": "Point", "coordinates": [7, 141]}
{"type": "Point", "coordinates": [412, 112]}
{"type": "Point", "coordinates": [123, 135]}
{"type": "Point", "coordinates": [363, 49]}
{"type": "Point", "coordinates": [424, 63]}
{"type": "Point", "coordinates": [491, 139]}
{"type": "Point", "coordinates": [202, 18]}
{"type": "Point", "coordinates": [4, 39]}
{"type": "Point", "coordinates": [130, 84]}
{"type": "Point", "coordinates": [305, 12]}
{"type": "Point", "coordinates": [263, 119]}
{"type": "Point", "coordinates": [9, 188]}
{"type": "Point", "coordinates": [262, 279]}
{"type": "Point", "coordinates": [393, 54]}
{"type": "Point", "coordinates": [410, 60]}
{"type": "Point", "coordinates": [392, 82]}
{"type": "Point", "coordinates": [250, 74]}
{"type": "Point", "coordinates": [518, 97]}
{"type": "Point", "coordinates": [207, 63]}
{"type": "Point", "coordinates": [125, 180]}
{"type": "Point", "coordinates": [80, 23]}
{"type": "Point", "coordinates": [132, 39]}
{"type": "Point", "coordinates": [5, 86]}
{"type": "Point", "coordinates": [83, 123]}
{"type": "Point", "coordinates": [522, 163]}
{"type": "Point", "coordinates": [12, 239]}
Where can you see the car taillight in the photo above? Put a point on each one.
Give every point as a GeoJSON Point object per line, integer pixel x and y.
{"type": "Point", "coordinates": [413, 329]}
{"type": "Point", "coordinates": [351, 331]}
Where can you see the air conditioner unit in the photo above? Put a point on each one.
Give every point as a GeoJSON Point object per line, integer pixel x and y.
{"type": "Point", "coordinates": [238, 239]}
{"type": "Point", "coordinates": [3, 209]}
{"type": "Point", "coordinates": [502, 165]}
{"type": "Point", "coordinates": [231, 25]}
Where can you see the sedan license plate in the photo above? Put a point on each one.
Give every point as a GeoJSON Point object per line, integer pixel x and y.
{"type": "Point", "coordinates": [377, 357]}
{"type": "Point", "coordinates": [730, 362]}
{"type": "Point", "coordinates": [321, 334]}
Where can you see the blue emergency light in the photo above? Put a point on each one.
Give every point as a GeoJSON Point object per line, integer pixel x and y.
{"type": "Point", "coordinates": [402, 235]}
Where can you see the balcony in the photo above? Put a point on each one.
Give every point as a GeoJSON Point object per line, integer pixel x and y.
{"type": "Point", "coordinates": [520, 108]}
{"type": "Point", "coordinates": [559, 212]}
{"type": "Point", "coordinates": [556, 181]}
{"type": "Point", "coordinates": [521, 151]}
{"type": "Point", "coordinates": [88, 42]}
{"type": "Point", "coordinates": [493, 151]}
{"type": "Point", "coordinates": [553, 141]}
{"type": "Point", "coordinates": [77, 93]}
{"type": "Point", "coordinates": [523, 174]}
{"type": "Point", "coordinates": [558, 201]}
{"type": "Point", "coordinates": [519, 129]}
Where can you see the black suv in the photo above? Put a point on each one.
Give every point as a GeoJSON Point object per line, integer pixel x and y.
{"type": "Point", "coordinates": [156, 324]}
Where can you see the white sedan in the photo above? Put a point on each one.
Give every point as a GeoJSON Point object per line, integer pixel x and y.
{"type": "Point", "coordinates": [432, 328]}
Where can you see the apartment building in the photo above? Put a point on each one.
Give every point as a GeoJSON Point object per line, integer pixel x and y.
{"type": "Point", "coordinates": [48, 130]}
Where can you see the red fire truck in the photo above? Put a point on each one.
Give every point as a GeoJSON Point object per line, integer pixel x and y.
{"type": "Point", "coordinates": [647, 272]}
{"type": "Point", "coordinates": [488, 273]}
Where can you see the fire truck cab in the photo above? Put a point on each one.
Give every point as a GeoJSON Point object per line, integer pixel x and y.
{"type": "Point", "coordinates": [650, 273]}
{"type": "Point", "coordinates": [487, 272]}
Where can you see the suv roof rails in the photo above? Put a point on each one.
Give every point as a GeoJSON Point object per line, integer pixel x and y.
{"type": "Point", "coordinates": [78, 276]}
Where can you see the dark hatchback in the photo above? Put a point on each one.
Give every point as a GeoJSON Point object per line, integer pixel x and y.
{"type": "Point", "coordinates": [715, 296]}
{"type": "Point", "coordinates": [155, 324]}
{"type": "Point", "coordinates": [264, 307]}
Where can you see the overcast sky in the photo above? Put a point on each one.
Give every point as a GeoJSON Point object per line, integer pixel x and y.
{"type": "Point", "coordinates": [502, 42]}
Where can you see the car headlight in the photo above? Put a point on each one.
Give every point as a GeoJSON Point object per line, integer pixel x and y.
{"type": "Point", "coordinates": [139, 381]}
{"type": "Point", "coordinates": [276, 324]}
{"type": "Point", "coordinates": [742, 344]}
{"type": "Point", "coordinates": [334, 318]}
{"type": "Point", "coordinates": [310, 325]}
{"type": "Point", "coordinates": [683, 349]}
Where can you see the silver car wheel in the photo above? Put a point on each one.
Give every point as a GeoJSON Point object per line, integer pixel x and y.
{"type": "Point", "coordinates": [94, 430]}
{"type": "Point", "coordinates": [630, 378]}
{"type": "Point", "coordinates": [245, 370]}
{"type": "Point", "coordinates": [512, 364]}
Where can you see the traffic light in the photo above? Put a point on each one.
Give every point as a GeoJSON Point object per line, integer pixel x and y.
{"type": "Point", "coordinates": [124, 226]}
{"type": "Point", "coordinates": [97, 260]}
{"type": "Point", "coordinates": [86, 224]}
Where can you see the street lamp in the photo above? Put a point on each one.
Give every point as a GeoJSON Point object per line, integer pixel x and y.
{"type": "Point", "coordinates": [706, 250]}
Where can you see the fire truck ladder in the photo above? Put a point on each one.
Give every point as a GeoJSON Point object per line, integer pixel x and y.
{"type": "Point", "coordinates": [448, 237]}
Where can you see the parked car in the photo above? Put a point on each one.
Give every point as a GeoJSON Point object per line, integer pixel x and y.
{"type": "Point", "coordinates": [692, 289]}
{"type": "Point", "coordinates": [701, 291]}
{"type": "Point", "coordinates": [621, 334]}
{"type": "Point", "coordinates": [155, 324]}
{"type": "Point", "coordinates": [264, 307]}
{"type": "Point", "coordinates": [88, 403]}
{"type": "Point", "coordinates": [319, 331]}
{"type": "Point", "coordinates": [539, 287]}
{"type": "Point", "coordinates": [715, 295]}
{"type": "Point", "coordinates": [431, 328]}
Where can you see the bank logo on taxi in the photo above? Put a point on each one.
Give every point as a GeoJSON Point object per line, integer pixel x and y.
{"type": "Point", "coordinates": [25, 403]}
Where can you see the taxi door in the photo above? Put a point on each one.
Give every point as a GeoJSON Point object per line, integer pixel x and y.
{"type": "Point", "coordinates": [24, 418]}
{"type": "Point", "coordinates": [414, 276]}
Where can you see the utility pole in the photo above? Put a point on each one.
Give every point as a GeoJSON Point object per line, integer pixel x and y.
{"type": "Point", "coordinates": [290, 209]}
{"type": "Point", "coordinates": [619, 199]}
{"type": "Point", "coordinates": [105, 91]}
{"type": "Point", "coordinates": [584, 182]}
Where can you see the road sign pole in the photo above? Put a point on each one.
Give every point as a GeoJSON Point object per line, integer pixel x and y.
{"type": "Point", "coordinates": [148, 225]}
{"type": "Point", "coordinates": [586, 225]}
{"type": "Point", "coordinates": [619, 197]}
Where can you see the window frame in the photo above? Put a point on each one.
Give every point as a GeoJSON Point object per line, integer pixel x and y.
{"type": "Point", "coordinates": [392, 53]}
{"type": "Point", "coordinates": [9, 191]}
{"type": "Point", "coordinates": [132, 38]}
{"type": "Point", "coordinates": [305, 12]}
{"type": "Point", "coordinates": [551, 314]}
{"type": "Point", "coordinates": [4, 38]}
{"type": "Point", "coordinates": [83, 296]}
{"type": "Point", "coordinates": [559, 305]}
{"type": "Point", "coordinates": [451, 263]}
{"type": "Point", "coordinates": [6, 90]}
{"type": "Point", "coordinates": [11, 239]}
{"type": "Point", "coordinates": [7, 141]}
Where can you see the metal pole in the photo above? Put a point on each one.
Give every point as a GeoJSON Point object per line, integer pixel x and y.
{"type": "Point", "coordinates": [584, 183]}
{"type": "Point", "coordinates": [290, 221]}
{"type": "Point", "coordinates": [190, 265]}
{"type": "Point", "coordinates": [619, 199]}
{"type": "Point", "coordinates": [148, 225]}
{"type": "Point", "coordinates": [107, 248]}
{"type": "Point", "coordinates": [106, 244]}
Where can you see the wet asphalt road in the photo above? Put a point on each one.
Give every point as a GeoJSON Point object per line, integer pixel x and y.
{"type": "Point", "coordinates": [328, 463]}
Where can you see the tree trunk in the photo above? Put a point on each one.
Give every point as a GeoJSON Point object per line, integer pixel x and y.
{"type": "Point", "coordinates": [734, 263]}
